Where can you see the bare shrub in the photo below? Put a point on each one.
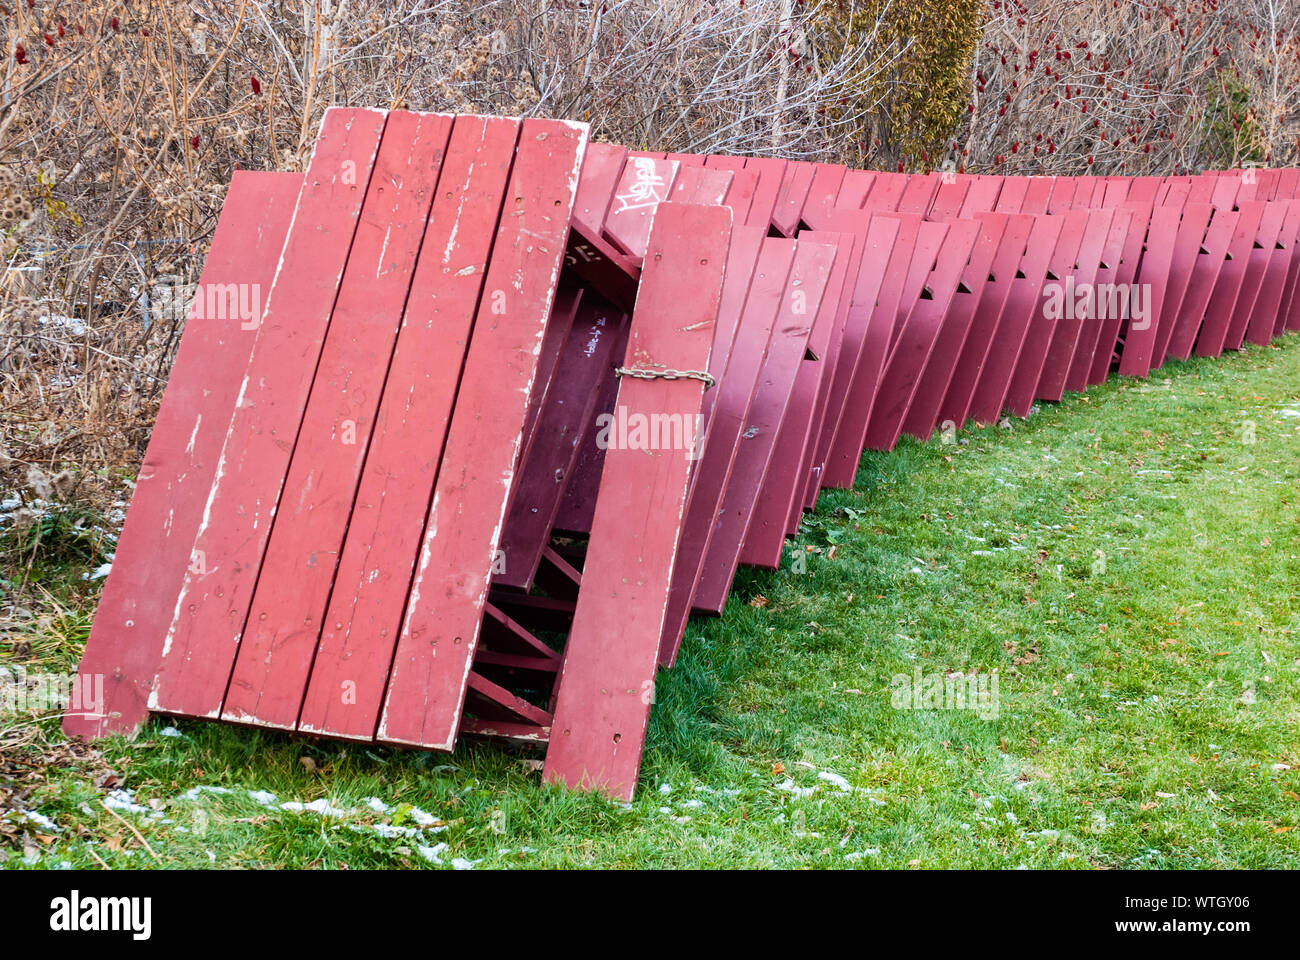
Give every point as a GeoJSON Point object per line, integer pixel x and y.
{"type": "Point", "coordinates": [122, 121]}
{"type": "Point", "coordinates": [1071, 87]}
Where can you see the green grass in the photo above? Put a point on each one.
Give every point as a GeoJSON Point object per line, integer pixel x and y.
{"type": "Point", "coordinates": [1125, 561]}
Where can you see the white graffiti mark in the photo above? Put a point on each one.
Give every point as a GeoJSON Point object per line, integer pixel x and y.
{"type": "Point", "coordinates": [645, 189]}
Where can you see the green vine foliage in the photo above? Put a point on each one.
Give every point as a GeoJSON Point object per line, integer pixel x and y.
{"type": "Point", "coordinates": [1232, 135]}
{"type": "Point", "coordinates": [910, 111]}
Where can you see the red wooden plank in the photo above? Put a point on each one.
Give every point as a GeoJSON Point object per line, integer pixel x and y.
{"type": "Point", "coordinates": [983, 196]}
{"type": "Point", "coordinates": [808, 276]}
{"type": "Point", "coordinates": [742, 257]}
{"type": "Point", "coordinates": [557, 576]}
{"type": "Point", "coordinates": [563, 312]}
{"type": "Point", "coordinates": [1125, 276]}
{"type": "Point", "coordinates": [1011, 198]}
{"type": "Point", "coordinates": [1268, 257]}
{"type": "Point", "coordinates": [1116, 191]}
{"type": "Point", "coordinates": [1218, 313]}
{"type": "Point", "coordinates": [740, 196]}
{"type": "Point", "coordinates": [916, 277]}
{"type": "Point", "coordinates": [939, 370]}
{"type": "Point", "coordinates": [1267, 184]}
{"type": "Point", "coordinates": [153, 551]}
{"type": "Point", "coordinates": [743, 187]}
{"type": "Point", "coordinates": [1291, 313]}
{"type": "Point", "coordinates": [525, 733]}
{"type": "Point", "coordinates": [1187, 245]}
{"type": "Point", "coordinates": [362, 620]}
{"type": "Point", "coordinates": [1099, 191]}
{"type": "Point", "coordinates": [1225, 193]}
{"type": "Point", "coordinates": [1272, 294]}
{"type": "Point", "coordinates": [914, 256]}
{"type": "Point", "coordinates": [1174, 192]}
{"type": "Point", "coordinates": [839, 297]}
{"type": "Point", "coordinates": [1087, 192]}
{"type": "Point", "coordinates": [873, 241]}
{"type": "Point", "coordinates": [501, 634]}
{"type": "Point", "coordinates": [854, 189]}
{"type": "Point", "coordinates": [278, 640]}
{"type": "Point", "coordinates": [1107, 274]}
{"type": "Point", "coordinates": [563, 423]}
{"type": "Point", "coordinates": [1144, 188]}
{"type": "Point", "coordinates": [755, 277]}
{"type": "Point", "coordinates": [898, 191]}
{"type": "Point", "coordinates": [1288, 184]}
{"type": "Point", "coordinates": [1080, 305]}
{"type": "Point", "coordinates": [644, 183]}
{"type": "Point", "coordinates": [870, 327]}
{"type": "Point", "coordinates": [1038, 191]}
{"type": "Point", "coordinates": [201, 641]}
{"type": "Point", "coordinates": [426, 687]}
{"type": "Point", "coordinates": [822, 192]}
{"type": "Point", "coordinates": [725, 161]}
{"type": "Point", "coordinates": [1290, 305]}
{"type": "Point", "coordinates": [1289, 188]}
{"type": "Point", "coordinates": [949, 198]}
{"type": "Point", "coordinates": [602, 166]}
{"type": "Point", "coordinates": [590, 255]}
{"type": "Point", "coordinates": [540, 612]}
{"type": "Point", "coordinates": [907, 361]}
{"type": "Point", "coordinates": [1021, 308]}
{"type": "Point", "coordinates": [771, 174]}
{"type": "Point", "coordinates": [500, 702]}
{"type": "Point", "coordinates": [969, 368]}
{"type": "Point", "coordinates": [1062, 198]}
{"type": "Point", "coordinates": [487, 661]}
{"type": "Point", "coordinates": [701, 185]}
{"type": "Point", "coordinates": [785, 478]}
{"type": "Point", "coordinates": [579, 503]}
{"type": "Point", "coordinates": [1202, 189]}
{"type": "Point", "coordinates": [795, 185]}
{"type": "Point", "coordinates": [1204, 275]}
{"type": "Point", "coordinates": [605, 688]}
{"type": "Point", "coordinates": [1141, 333]}
{"type": "Point", "coordinates": [1042, 328]}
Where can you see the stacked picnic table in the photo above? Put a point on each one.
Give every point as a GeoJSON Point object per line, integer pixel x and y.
{"type": "Point", "coordinates": [514, 405]}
